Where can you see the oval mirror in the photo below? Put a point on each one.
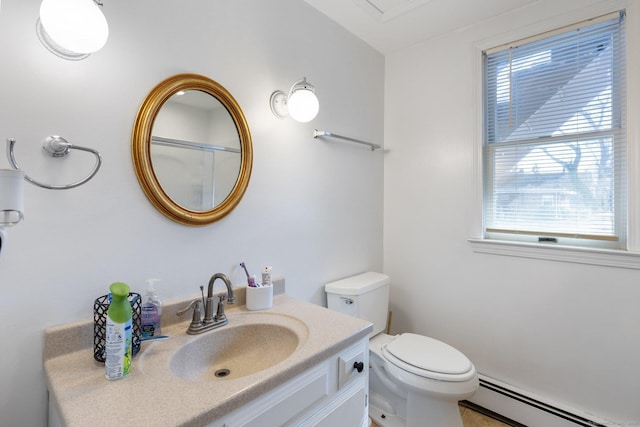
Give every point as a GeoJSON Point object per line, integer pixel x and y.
{"type": "Point", "coordinates": [191, 149]}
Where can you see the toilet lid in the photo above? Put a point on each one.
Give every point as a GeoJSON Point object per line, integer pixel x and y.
{"type": "Point", "coordinates": [429, 354]}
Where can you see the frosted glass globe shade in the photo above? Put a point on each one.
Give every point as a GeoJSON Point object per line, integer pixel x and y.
{"type": "Point", "coordinates": [303, 105]}
{"type": "Point", "coordinates": [77, 26]}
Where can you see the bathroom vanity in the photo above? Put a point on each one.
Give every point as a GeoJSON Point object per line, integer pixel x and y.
{"type": "Point", "coordinates": [294, 364]}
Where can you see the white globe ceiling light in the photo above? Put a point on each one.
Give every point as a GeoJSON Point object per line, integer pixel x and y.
{"type": "Point", "coordinates": [72, 29]}
{"type": "Point", "coordinates": [301, 103]}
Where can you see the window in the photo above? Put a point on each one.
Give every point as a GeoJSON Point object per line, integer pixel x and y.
{"type": "Point", "coordinates": [554, 137]}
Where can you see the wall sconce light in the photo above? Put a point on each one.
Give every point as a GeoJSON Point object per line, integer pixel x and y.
{"type": "Point", "coordinates": [300, 103]}
{"type": "Point", "coordinates": [72, 29]}
{"type": "Point", "coordinates": [11, 200]}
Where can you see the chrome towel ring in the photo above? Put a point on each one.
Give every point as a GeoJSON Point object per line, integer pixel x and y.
{"type": "Point", "coordinates": [56, 146]}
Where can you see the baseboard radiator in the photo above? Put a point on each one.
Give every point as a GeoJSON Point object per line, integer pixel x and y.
{"type": "Point", "coordinates": [511, 402]}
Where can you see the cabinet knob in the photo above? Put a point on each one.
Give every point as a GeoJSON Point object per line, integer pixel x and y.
{"type": "Point", "coordinates": [359, 366]}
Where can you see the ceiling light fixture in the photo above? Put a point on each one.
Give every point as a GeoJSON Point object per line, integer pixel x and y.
{"type": "Point", "coordinates": [72, 29]}
{"type": "Point", "coordinates": [300, 103]}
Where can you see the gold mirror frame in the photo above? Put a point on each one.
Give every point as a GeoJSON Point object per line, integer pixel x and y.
{"type": "Point", "coordinates": [141, 149]}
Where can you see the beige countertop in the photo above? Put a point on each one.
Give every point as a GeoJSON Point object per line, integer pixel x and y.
{"type": "Point", "coordinates": [152, 395]}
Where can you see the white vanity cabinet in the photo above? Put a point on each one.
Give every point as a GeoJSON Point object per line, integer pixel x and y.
{"type": "Point", "coordinates": [332, 393]}
{"type": "Point", "coordinates": [315, 385]}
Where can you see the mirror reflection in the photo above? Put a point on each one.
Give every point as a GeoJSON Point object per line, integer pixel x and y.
{"type": "Point", "coordinates": [195, 150]}
{"type": "Point", "coordinates": [191, 149]}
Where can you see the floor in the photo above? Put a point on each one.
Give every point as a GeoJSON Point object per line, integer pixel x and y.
{"type": "Point", "coordinates": [471, 418]}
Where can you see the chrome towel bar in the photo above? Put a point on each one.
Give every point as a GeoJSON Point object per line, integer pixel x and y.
{"type": "Point", "coordinates": [317, 133]}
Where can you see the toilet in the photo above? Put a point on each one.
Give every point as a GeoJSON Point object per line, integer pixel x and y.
{"type": "Point", "coordinates": [414, 380]}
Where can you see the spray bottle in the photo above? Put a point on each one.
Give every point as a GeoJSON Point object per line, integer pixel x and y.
{"type": "Point", "coordinates": [119, 333]}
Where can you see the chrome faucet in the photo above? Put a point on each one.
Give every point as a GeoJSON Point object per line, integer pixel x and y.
{"type": "Point", "coordinates": [208, 308]}
{"type": "Point", "coordinates": [199, 325]}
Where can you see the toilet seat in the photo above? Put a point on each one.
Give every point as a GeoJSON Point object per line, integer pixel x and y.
{"type": "Point", "coordinates": [429, 358]}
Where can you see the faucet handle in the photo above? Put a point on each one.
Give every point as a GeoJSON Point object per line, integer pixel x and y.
{"type": "Point", "coordinates": [220, 316]}
{"type": "Point", "coordinates": [189, 307]}
{"type": "Point", "coordinates": [196, 321]}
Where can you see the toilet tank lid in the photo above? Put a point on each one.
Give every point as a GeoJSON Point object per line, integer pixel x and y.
{"type": "Point", "coordinates": [357, 285]}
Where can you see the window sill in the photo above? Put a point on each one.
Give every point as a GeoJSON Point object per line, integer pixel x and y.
{"type": "Point", "coordinates": [603, 257]}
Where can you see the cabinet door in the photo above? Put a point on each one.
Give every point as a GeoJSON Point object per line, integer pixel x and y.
{"type": "Point", "coordinates": [286, 402]}
{"type": "Point", "coordinates": [54, 418]}
{"type": "Point", "coordinates": [350, 409]}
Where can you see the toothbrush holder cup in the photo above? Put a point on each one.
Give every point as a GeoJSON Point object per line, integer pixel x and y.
{"type": "Point", "coordinates": [259, 298]}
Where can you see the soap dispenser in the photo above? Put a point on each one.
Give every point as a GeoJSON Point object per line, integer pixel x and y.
{"type": "Point", "coordinates": [151, 312]}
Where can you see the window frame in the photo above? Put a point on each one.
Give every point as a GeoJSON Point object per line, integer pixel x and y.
{"type": "Point", "coordinates": [627, 257]}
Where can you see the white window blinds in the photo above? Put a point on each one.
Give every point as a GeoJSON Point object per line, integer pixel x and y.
{"type": "Point", "coordinates": [554, 149]}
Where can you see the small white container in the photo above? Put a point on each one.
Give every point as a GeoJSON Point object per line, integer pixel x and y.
{"type": "Point", "coordinates": [259, 298]}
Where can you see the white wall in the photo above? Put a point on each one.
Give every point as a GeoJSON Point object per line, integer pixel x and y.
{"type": "Point", "coordinates": [313, 209]}
{"type": "Point", "coordinates": [568, 332]}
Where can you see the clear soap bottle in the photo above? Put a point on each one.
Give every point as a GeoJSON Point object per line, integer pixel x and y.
{"type": "Point", "coordinates": [151, 312]}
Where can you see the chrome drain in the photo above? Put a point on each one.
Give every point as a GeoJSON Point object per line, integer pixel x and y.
{"type": "Point", "coordinates": [221, 373]}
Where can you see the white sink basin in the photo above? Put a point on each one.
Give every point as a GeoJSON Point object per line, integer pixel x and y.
{"type": "Point", "coordinates": [250, 343]}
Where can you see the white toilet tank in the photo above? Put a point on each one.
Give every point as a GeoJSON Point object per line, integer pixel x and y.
{"type": "Point", "coordinates": [365, 296]}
